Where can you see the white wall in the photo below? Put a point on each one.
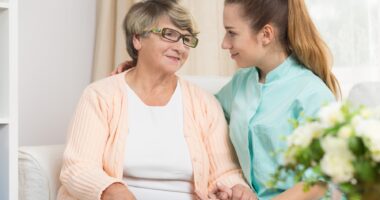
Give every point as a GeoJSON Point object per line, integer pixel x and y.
{"type": "Point", "coordinates": [56, 40]}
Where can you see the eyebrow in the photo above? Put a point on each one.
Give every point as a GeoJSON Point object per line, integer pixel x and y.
{"type": "Point", "coordinates": [179, 30]}
{"type": "Point", "coordinates": [229, 27]}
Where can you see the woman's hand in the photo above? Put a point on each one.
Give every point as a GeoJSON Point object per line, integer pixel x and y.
{"type": "Point", "coordinates": [241, 192]}
{"type": "Point", "coordinates": [237, 192]}
{"type": "Point", "coordinates": [117, 191]}
{"type": "Point", "coordinates": [297, 192]}
{"type": "Point", "coordinates": [222, 192]}
{"type": "Point", "coordinates": [211, 196]}
{"type": "Point", "coordinates": [122, 67]}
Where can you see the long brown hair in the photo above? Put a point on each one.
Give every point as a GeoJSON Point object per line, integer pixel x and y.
{"type": "Point", "coordinates": [296, 33]}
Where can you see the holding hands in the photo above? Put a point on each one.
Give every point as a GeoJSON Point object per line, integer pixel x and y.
{"type": "Point", "coordinates": [222, 192]}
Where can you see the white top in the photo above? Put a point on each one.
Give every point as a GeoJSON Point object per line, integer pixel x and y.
{"type": "Point", "coordinates": [157, 160]}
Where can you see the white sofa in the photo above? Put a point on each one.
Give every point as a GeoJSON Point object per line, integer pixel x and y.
{"type": "Point", "coordinates": [39, 166]}
{"type": "Point", "coordinates": [365, 93]}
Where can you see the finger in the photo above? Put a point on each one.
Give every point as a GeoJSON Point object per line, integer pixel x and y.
{"type": "Point", "coordinates": [245, 196]}
{"type": "Point", "coordinates": [236, 193]}
{"type": "Point", "coordinates": [200, 196]}
{"type": "Point", "coordinates": [249, 195]}
{"type": "Point", "coordinates": [113, 72]}
{"type": "Point", "coordinates": [212, 196]}
{"type": "Point", "coordinates": [222, 195]}
{"type": "Point", "coordinates": [224, 188]}
{"type": "Point", "coordinates": [214, 190]}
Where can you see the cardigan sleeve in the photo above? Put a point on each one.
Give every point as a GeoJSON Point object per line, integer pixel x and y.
{"type": "Point", "coordinates": [224, 166]}
{"type": "Point", "coordinates": [82, 172]}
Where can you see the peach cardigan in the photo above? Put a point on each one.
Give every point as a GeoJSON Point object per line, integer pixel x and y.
{"type": "Point", "coordinates": [93, 158]}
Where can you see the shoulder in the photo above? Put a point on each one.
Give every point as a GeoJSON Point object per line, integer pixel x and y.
{"type": "Point", "coordinates": [313, 93]}
{"type": "Point", "coordinates": [303, 80]}
{"type": "Point", "coordinates": [313, 85]}
{"type": "Point", "coordinates": [105, 88]}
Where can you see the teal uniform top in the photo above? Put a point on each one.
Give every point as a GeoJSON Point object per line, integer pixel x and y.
{"type": "Point", "coordinates": [258, 115]}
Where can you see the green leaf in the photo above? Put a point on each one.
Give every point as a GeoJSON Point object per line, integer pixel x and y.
{"type": "Point", "coordinates": [365, 170]}
{"type": "Point", "coordinates": [304, 156]}
{"type": "Point", "coordinates": [294, 123]}
{"type": "Point", "coordinates": [346, 188]}
{"type": "Point", "coordinates": [318, 171]}
{"type": "Point", "coordinates": [317, 150]}
{"type": "Point", "coordinates": [356, 145]}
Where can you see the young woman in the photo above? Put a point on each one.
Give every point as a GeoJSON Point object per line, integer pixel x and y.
{"type": "Point", "coordinates": [285, 73]}
{"type": "Point", "coordinates": [291, 79]}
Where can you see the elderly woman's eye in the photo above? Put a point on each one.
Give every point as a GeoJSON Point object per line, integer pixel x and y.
{"type": "Point", "coordinates": [169, 33]}
{"type": "Point", "coordinates": [172, 34]}
{"type": "Point", "coordinates": [187, 39]}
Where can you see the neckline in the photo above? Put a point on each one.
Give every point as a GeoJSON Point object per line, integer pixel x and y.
{"type": "Point", "coordinates": [175, 94]}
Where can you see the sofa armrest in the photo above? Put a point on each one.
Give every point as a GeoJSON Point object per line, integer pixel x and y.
{"type": "Point", "coordinates": [39, 168]}
{"type": "Point", "coordinates": [365, 93]}
{"type": "Point", "coordinates": [209, 83]}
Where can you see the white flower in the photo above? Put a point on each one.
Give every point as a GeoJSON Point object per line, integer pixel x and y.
{"type": "Point", "coordinates": [331, 114]}
{"type": "Point", "coordinates": [376, 113]}
{"type": "Point", "coordinates": [345, 132]}
{"type": "Point", "coordinates": [356, 120]}
{"type": "Point", "coordinates": [340, 170]}
{"type": "Point", "coordinates": [366, 113]}
{"type": "Point", "coordinates": [303, 135]}
{"type": "Point", "coordinates": [337, 161]}
{"type": "Point", "coordinates": [336, 145]}
{"type": "Point", "coordinates": [369, 130]}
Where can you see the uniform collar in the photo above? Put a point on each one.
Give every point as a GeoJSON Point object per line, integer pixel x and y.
{"type": "Point", "coordinates": [281, 70]}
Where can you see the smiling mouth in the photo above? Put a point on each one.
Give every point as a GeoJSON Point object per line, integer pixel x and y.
{"type": "Point", "coordinates": [173, 58]}
{"type": "Point", "coordinates": [233, 55]}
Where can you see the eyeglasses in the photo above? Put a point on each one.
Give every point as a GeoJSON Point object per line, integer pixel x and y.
{"type": "Point", "coordinates": [174, 36]}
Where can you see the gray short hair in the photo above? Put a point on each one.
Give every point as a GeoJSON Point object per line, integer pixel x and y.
{"type": "Point", "coordinates": [143, 15]}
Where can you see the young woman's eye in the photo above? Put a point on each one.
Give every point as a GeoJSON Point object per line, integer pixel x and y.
{"type": "Point", "coordinates": [231, 33]}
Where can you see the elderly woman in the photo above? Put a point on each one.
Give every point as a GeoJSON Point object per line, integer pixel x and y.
{"type": "Point", "coordinates": [146, 133]}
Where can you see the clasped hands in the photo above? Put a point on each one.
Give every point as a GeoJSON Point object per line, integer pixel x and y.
{"type": "Point", "coordinates": [222, 192]}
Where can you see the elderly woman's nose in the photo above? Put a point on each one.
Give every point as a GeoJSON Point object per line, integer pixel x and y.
{"type": "Point", "coordinates": [180, 46]}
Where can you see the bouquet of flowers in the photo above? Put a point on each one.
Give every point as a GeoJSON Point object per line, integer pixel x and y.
{"type": "Point", "coordinates": [341, 146]}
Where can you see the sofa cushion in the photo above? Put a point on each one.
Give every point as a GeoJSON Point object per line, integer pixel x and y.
{"type": "Point", "coordinates": [210, 83]}
{"type": "Point", "coordinates": [365, 93]}
{"type": "Point", "coordinates": [39, 168]}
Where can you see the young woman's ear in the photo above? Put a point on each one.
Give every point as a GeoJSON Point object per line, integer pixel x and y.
{"type": "Point", "coordinates": [137, 42]}
{"type": "Point", "coordinates": [267, 34]}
